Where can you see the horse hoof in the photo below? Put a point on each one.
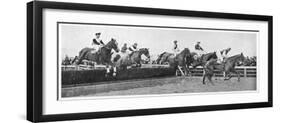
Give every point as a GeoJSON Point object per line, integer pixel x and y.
{"type": "Point", "coordinates": [114, 74]}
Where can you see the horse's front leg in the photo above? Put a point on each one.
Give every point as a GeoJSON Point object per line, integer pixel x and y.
{"type": "Point", "coordinates": [186, 71]}
{"type": "Point", "coordinates": [189, 70]}
{"type": "Point", "coordinates": [210, 79]}
{"type": "Point", "coordinates": [138, 63]}
{"type": "Point", "coordinates": [107, 71]}
{"type": "Point", "coordinates": [114, 71]}
{"type": "Point", "coordinates": [229, 75]}
{"type": "Point", "coordinates": [204, 72]}
{"type": "Point", "coordinates": [238, 75]}
{"type": "Point", "coordinates": [204, 76]}
{"type": "Point", "coordinates": [114, 68]}
{"type": "Point", "coordinates": [226, 74]}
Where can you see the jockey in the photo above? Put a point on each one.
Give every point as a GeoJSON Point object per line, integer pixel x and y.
{"type": "Point", "coordinates": [133, 48]}
{"type": "Point", "coordinates": [224, 54]}
{"type": "Point", "coordinates": [124, 48]}
{"type": "Point", "coordinates": [176, 48]}
{"type": "Point", "coordinates": [97, 42]}
{"type": "Point", "coordinates": [199, 50]}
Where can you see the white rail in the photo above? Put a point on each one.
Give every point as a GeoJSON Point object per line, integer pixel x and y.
{"type": "Point", "coordinates": [246, 70]}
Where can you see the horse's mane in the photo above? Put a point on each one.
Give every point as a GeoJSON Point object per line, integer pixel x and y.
{"type": "Point", "coordinates": [161, 55]}
{"type": "Point", "coordinates": [209, 55]}
{"type": "Point", "coordinates": [106, 45]}
{"type": "Point", "coordinates": [193, 53]}
{"type": "Point", "coordinates": [234, 57]}
{"type": "Point", "coordinates": [136, 51]}
{"type": "Point", "coordinates": [184, 51]}
{"type": "Point", "coordinates": [142, 49]}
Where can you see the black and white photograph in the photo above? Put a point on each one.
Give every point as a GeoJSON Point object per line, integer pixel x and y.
{"type": "Point", "coordinates": [107, 60]}
{"type": "Point", "coordinates": [88, 61]}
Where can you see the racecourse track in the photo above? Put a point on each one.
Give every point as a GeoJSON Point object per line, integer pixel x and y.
{"type": "Point", "coordinates": [166, 85]}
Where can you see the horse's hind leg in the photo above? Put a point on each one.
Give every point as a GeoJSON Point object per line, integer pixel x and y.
{"type": "Point", "coordinates": [114, 71]}
{"type": "Point", "coordinates": [216, 77]}
{"type": "Point", "coordinates": [107, 71]}
{"type": "Point", "coordinates": [210, 79]}
{"type": "Point", "coordinates": [226, 75]}
{"type": "Point", "coordinates": [186, 71]}
{"type": "Point", "coordinates": [205, 74]}
{"type": "Point", "coordinates": [238, 75]}
{"type": "Point", "coordinates": [208, 73]}
{"type": "Point", "coordinates": [229, 76]}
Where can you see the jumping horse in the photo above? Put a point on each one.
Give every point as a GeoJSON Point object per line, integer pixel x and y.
{"type": "Point", "coordinates": [134, 58]}
{"type": "Point", "coordinates": [179, 61]}
{"type": "Point", "coordinates": [102, 56]}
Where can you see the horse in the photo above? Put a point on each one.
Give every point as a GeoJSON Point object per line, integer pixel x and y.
{"type": "Point", "coordinates": [202, 60]}
{"type": "Point", "coordinates": [102, 56]}
{"type": "Point", "coordinates": [163, 58]}
{"type": "Point", "coordinates": [228, 66]}
{"type": "Point", "coordinates": [250, 61]}
{"type": "Point", "coordinates": [179, 61]}
{"type": "Point", "coordinates": [122, 61]}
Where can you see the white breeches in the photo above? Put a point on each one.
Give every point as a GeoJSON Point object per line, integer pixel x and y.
{"type": "Point", "coordinates": [96, 47]}
{"type": "Point", "coordinates": [199, 52]}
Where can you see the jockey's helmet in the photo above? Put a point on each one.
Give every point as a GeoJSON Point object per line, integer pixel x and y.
{"type": "Point", "coordinates": [175, 41]}
{"type": "Point", "coordinates": [135, 44]}
{"type": "Point", "coordinates": [98, 33]}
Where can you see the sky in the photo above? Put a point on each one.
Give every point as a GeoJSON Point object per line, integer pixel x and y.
{"type": "Point", "coordinates": [74, 37]}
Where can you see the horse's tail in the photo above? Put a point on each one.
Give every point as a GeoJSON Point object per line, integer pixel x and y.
{"type": "Point", "coordinates": [81, 55]}
{"type": "Point", "coordinates": [159, 57]}
{"type": "Point", "coordinates": [73, 60]}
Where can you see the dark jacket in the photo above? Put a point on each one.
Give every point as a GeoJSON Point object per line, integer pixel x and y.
{"type": "Point", "coordinates": [97, 42]}
{"type": "Point", "coordinates": [124, 49]}
{"type": "Point", "coordinates": [198, 47]}
{"type": "Point", "coordinates": [226, 51]}
{"type": "Point", "coordinates": [132, 48]}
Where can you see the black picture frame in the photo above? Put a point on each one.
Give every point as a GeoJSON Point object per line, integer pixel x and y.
{"type": "Point", "coordinates": [34, 60]}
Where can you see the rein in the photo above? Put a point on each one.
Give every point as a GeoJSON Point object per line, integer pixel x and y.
{"type": "Point", "coordinates": [107, 46]}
